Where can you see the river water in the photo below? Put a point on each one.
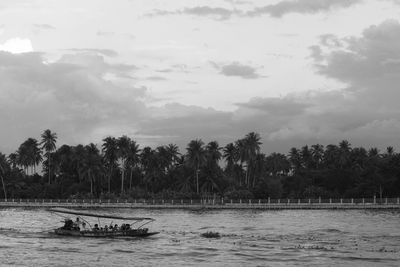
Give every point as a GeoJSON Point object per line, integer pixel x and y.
{"type": "Point", "coordinates": [248, 238]}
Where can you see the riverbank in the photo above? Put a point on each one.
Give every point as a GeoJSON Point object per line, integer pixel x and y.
{"type": "Point", "coordinates": [392, 204]}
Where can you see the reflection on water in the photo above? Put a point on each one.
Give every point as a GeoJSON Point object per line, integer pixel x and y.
{"type": "Point", "coordinates": [251, 238]}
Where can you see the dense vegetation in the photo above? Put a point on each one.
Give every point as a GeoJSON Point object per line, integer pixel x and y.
{"type": "Point", "coordinates": [121, 169]}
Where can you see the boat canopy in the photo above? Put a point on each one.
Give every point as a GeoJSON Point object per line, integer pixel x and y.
{"type": "Point", "coordinates": [78, 213]}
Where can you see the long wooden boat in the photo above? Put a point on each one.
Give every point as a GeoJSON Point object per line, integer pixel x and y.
{"type": "Point", "coordinates": [79, 229]}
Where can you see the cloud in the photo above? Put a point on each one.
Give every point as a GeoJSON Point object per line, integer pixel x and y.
{"type": "Point", "coordinates": [156, 78]}
{"type": "Point", "coordinates": [72, 97]}
{"type": "Point", "coordinates": [237, 69]}
{"type": "Point", "coordinates": [17, 45]}
{"type": "Point", "coordinates": [218, 13]}
{"type": "Point", "coordinates": [276, 106]}
{"type": "Point", "coordinates": [364, 111]}
{"type": "Point", "coordinates": [95, 63]}
{"type": "Point", "coordinates": [69, 98]}
{"type": "Point", "coordinates": [104, 52]}
{"type": "Point", "coordinates": [300, 6]}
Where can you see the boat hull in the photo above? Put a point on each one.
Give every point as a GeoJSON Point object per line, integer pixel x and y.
{"type": "Point", "coordinates": [129, 233]}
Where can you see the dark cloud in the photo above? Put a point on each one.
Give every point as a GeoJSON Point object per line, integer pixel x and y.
{"type": "Point", "coordinates": [69, 98]}
{"type": "Point", "coordinates": [104, 52]}
{"type": "Point", "coordinates": [156, 78]}
{"type": "Point", "coordinates": [300, 6]}
{"type": "Point", "coordinates": [237, 69]}
{"type": "Point", "coordinates": [218, 13]}
{"type": "Point", "coordinates": [276, 106]}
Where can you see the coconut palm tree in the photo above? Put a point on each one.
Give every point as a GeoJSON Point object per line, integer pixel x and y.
{"type": "Point", "coordinates": [78, 160]}
{"type": "Point", "coordinates": [231, 157]}
{"type": "Point", "coordinates": [92, 164]}
{"type": "Point", "coordinates": [48, 145]}
{"type": "Point", "coordinates": [213, 151]}
{"type": "Point", "coordinates": [132, 159]}
{"type": "Point", "coordinates": [4, 166]}
{"type": "Point", "coordinates": [13, 160]}
{"type": "Point", "coordinates": [196, 157]}
{"type": "Point", "coordinates": [242, 154]}
{"type": "Point", "coordinates": [317, 154]}
{"type": "Point", "coordinates": [252, 146]}
{"type": "Point", "coordinates": [173, 154]}
{"type": "Point", "coordinates": [110, 156]}
{"type": "Point", "coordinates": [123, 144]}
{"type": "Point", "coordinates": [212, 170]}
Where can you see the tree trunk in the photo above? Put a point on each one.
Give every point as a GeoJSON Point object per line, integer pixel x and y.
{"type": "Point", "coordinates": [246, 180]}
{"type": "Point", "coordinates": [4, 187]}
{"type": "Point", "coordinates": [122, 180]}
{"type": "Point", "coordinates": [91, 184]}
{"type": "Point", "coordinates": [49, 167]}
{"type": "Point", "coordinates": [109, 181]}
{"type": "Point", "coordinates": [240, 174]}
{"type": "Point", "coordinates": [130, 180]}
{"type": "Point", "coordinates": [197, 179]}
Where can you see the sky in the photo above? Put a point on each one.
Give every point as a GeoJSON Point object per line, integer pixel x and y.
{"type": "Point", "coordinates": [298, 72]}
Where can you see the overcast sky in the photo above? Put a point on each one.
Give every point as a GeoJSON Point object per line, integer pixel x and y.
{"type": "Point", "coordinates": [296, 71]}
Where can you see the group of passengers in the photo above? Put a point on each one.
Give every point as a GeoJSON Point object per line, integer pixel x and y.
{"type": "Point", "coordinates": [78, 225]}
{"type": "Point", "coordinates": [112, 228]}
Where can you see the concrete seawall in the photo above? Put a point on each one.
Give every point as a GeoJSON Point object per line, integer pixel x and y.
{"type": "Point", "coordinates": [197, 206]}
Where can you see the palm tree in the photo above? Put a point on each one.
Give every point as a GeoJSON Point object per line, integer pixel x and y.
{"type": "Point", "coordinates": [4, 166]}
{"type": "Point", "coordinates": [242, 154]}
{"type": "Point", "coordinates": [13, 160]}
{"type": "Point", "coordinates": [231, 156]}
{"type": "Point", "coordinates": [110, 150]}
{"type": "Point", "coordinates": [78, 160]}
{"type": "Point", "coordinates": [48, 145]}
{"type": "Point", "coordinates": [317, 154]}
{"type": "Point", "coordinates": [92, 164]}
{"type": "Point", "coordinates": [123, 144]}
{"type": "Point", "coordinates": [212, 170]}
{"type": "Point", "coordinates": [252, 146]}
{"type": "Point", "coordinates": [196, 157]}
{"type": "Point", "coordinates": [173, 154]}
{"type": "Point", "coordinates": [213, 151]}
{"type": "Point", "coordinates": [132, 159]}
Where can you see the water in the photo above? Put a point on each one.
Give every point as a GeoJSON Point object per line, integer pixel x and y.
{"type": "Point", "coordinates": [248, 238]}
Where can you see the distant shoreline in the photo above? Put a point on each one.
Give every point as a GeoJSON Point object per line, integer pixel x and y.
{"type": "Point", "coordinates": [209, 206]}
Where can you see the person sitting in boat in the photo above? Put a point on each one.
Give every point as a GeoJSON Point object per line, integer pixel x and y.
{"type": "Point", "coordinates": [116, 227]}
{"type": "Point", "coordinates": [83, 227]}
{"type": "Point", "coordinates": [106, 228]}
{"type": "Point", "coordinates": [77, 224]}
{"type": "Point", "coordinates": [68, 224]}
{"type": "Point", "coordinates": [96, 227]}
{"type": "Point", "coordinates": [127, 227]}
{"type": "Point", "coordinates": [123, 227]}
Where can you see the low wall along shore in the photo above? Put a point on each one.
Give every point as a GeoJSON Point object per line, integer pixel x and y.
{"type": "Point", "coordinates": [276, 204]}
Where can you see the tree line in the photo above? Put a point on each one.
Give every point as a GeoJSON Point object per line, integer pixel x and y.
{"type": "Point", "coordinates": [119, 168]}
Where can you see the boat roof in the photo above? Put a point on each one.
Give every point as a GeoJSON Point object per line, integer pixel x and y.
{"type": "Point", "coordinates": [79, 213]}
